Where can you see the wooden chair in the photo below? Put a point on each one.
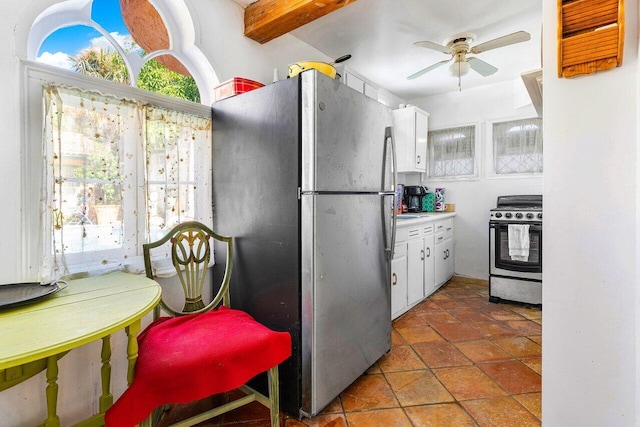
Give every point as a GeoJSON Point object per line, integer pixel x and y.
{"type": "Point", "coordinates": [203, 349]}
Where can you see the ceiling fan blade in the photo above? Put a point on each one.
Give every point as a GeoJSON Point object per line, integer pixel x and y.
{"type": "Point", "coordinates": [517, 37]}
{"type": "Point", "coordinates": [434, 46]}
{"type": "Point", "coordinates": [426, 70]}
{"type": "Point", "coordinates": [481, 67]}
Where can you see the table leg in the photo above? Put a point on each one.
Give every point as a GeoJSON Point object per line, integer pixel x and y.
{"type": "Point", "coordinates": [132, 349]}
{"type": "Point", "coordinates": [52, 392]}
{"type": "Point", "coordinates": [106, 399]}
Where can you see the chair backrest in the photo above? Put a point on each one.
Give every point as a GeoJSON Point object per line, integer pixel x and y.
{"type": "Point", "coordinates": [190, 254]}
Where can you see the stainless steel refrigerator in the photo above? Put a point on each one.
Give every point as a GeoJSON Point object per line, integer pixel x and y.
{"type": "Point", "coordinates": [303, 179]}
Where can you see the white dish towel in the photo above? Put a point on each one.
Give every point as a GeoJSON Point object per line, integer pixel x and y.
{"type": "Point", "coordinates": [519, 242]}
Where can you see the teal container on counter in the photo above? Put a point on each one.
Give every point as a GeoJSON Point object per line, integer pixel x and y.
{"type": "Point", "coordinates": [429, 202]}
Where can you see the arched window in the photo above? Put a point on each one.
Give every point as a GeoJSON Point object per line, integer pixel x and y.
{"type": "Point", "coordinates": [108, 146]}
{"type": "Point", "coordinates": [129, 41]}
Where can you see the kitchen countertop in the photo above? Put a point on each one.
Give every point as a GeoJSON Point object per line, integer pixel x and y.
{"type": "Point", "coordinates": [419, 217]}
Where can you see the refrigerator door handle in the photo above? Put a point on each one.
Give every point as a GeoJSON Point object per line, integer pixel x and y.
{"type": "Point", "coordinates": [389, 144]}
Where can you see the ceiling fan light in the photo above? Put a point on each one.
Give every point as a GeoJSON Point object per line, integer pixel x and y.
{"type": "Point", "coordinates": [460, 68]}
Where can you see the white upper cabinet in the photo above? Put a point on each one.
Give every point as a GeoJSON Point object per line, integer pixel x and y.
{"type": "Point", "coordinates": [410, 128]}
{"type": "Point", "coordinates": [353, 82]}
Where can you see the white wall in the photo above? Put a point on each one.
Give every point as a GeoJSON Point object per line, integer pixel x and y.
{"type": "Point", "coordinates": [219, 27]}
{"type": "Point", "coordinates": [474, 198]}
{"type": "Point", "coordinates": [591, 187]}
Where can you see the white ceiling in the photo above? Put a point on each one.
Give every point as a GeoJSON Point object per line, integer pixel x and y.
{"type": "Point", "coordinates": [380, 36]}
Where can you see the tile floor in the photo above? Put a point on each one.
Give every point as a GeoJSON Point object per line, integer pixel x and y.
{"type": "Point", "coordinates": [456, 360]}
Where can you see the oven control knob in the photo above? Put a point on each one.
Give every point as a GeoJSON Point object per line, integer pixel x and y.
{"type": "Point", "coordinates": [498, 215]}
{"type": "Point", "coordinates": [519, 215]}
{"type": "Point", "coordinates": [529, 215]}
{"type": "Point", "coordinates": [508, 215]}
{"type": "Point", "coordinates": [540, 215]}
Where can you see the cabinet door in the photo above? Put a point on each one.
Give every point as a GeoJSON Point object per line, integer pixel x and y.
{"type": "Point", "coordinates": [421, 132]}
{"type": "Point", "coordinates": [371, 91]}
{"type": "Point", "coordinates": [399, 281]}
{"type": "Point", "coordinates": [443, 262]}
{"type": "Point", "coordinates": [450, 259]}
{"type": "Point", "coordinates": [440, 263]}
{"type": "Point", "coordinates": [429, 265]}
{"type": "Point", "coordinates": [411, 126]}
{"type": "Point", "coordinates": [354, 83]}
{"type": "Point", "coordinates": [415, 271]}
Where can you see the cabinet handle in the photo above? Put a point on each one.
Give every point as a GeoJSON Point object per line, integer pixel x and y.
{"type": "Point", "coordinates": [448, 228]}
{"type": "Point", "coordinates": [428, 252]}
{"type": "Point", "coordinates": [440, 238]}
{"type": "Point", "coordinates": [418, 159]}
{"type": "Point", "coordinates": [421, 254]}
{"type": "Point", "coordinates": [445, 255]}
{"type": "Point", "coordinates": [395, 279]}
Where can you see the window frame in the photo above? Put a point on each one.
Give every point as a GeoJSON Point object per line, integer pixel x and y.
{"type": "Point", "coordinates": [489, 169]}
{"type": "Point", "coordinates": [477, 145]}
{"type": "Point", "coordinates": [34, 76]}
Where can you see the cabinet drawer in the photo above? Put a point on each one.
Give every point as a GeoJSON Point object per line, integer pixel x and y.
{"type": "Point", "coordinates": [427, 229]}
{"type": "Point", "coordinates": [415, 232]}
{"type": "Point", "coordinates": [444, 229]}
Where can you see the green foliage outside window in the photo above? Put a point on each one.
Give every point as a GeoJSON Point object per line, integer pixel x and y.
{"type": "Point", "coordinates": [154, 77]}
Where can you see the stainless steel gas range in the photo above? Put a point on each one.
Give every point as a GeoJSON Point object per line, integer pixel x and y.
{"type": "Point", "coordinates": [515, 249]}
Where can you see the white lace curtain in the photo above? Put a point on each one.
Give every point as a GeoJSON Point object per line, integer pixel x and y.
{"type": "Point", "coordinates": [517, 146]}
{"type": "Point", "coordinates": [118, 173]}
{"type": "Point", "coordinates": [452, 152]}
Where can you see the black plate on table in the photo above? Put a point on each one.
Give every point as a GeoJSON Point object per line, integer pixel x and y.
{"type": "Point", "coordinates": [21, 293]}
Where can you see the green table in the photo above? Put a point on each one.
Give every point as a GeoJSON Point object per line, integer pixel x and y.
{"type": "Point", "coordinates": [36, 335]}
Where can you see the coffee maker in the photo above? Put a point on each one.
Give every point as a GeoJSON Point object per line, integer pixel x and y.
{"type": "Point", "coordinates": [413, 197]}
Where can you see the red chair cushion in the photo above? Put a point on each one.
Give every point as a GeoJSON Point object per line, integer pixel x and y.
{"type": "Point", "coordinates": [190, 357]}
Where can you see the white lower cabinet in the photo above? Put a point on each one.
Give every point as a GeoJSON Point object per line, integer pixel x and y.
{"type": "Point", "coordinates": [415, 266]}
{"type": "Point", "coordinates": [429, 260]}
{"type": "Point", "coordinates": [399, 277]}
{"type": "Point", "coordinates": [418, 268]}
{"type": "Point", "coordinates": [443, 251]}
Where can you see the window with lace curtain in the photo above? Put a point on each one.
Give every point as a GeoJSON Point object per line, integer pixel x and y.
{"type": "Point", "coordinates": [452, 152]}
{"type": "Point", "coordinates": [118, 172]}
{"type": "Point", "coordinates": [517, 146]}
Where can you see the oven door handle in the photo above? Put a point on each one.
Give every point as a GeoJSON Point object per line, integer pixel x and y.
{"type": "Point", "coordinates": [503, 225]}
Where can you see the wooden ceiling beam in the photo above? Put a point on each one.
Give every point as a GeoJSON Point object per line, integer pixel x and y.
{"type": "Point", "coordinates": [265, 20]}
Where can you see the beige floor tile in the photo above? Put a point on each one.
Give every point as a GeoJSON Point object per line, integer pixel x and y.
{"type": "Point", "coordinates": [417, 388]}
{"type": "Point", "coordinates": [384, 417]}
{"type": "Point", "coordinates": [440, 355]}
{"type": "Point", "coordinates": [441, 415]}
{"type": "Point", "coordinates": [513, 376]}
{"type": "Point", "coordinates": [531, 401]}
{"type": "Point", "coordinates": [468, 382]}
{"type": "Point", "coordinates": [482, 351]}
{"type": "Point", "coordinates": [368, 392]}
{"type": "Point", "coordinates": [519, 346]}
{"type": "Point", "coordinates": [417, 334]}
{"type": "Point", "coordinates": [400, 358]}
{"type": "Point", "coordinates": [500, 411]}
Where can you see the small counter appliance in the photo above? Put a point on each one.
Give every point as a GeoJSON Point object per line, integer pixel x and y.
{"type": "Point", "coordinates": [413, 195]}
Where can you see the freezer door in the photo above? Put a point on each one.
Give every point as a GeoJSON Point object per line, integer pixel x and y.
{"type": "Point", "coordinates": [346, 293]}
{"type": "Point", "coordinates": [343, 138]}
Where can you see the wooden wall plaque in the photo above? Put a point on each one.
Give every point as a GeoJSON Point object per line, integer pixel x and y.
{"type": "Point", "coordinates": [590, 36]}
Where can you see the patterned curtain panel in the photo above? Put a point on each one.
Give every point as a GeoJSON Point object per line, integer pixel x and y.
{"type": "Point", "coordinates": [178, 155]}
{"type": "Point", "coordinates": [517, 146]}
{"type": "Point", "coordinates": [103, 155]}
{"type": "Point", "coordinates": [452, 152]}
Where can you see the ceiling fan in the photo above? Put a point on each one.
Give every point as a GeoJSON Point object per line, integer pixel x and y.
{"type": "Point", "coordinates": [459, 46]}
